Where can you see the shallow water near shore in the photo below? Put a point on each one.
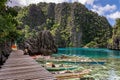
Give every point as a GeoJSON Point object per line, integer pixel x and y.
{"type": "Point", "coordinates": [89, 52]}
{"type": "Point", "coordinates": [82, 57]}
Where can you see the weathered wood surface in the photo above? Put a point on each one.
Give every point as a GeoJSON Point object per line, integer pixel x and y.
{"type": "Point", "coordinates": [22, 67]}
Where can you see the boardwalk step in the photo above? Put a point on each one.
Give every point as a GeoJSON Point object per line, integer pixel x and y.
{"type": "Point", "coordinates": [21, 67]}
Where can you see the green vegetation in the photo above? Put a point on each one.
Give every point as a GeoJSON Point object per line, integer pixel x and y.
{"type": "Point", "coordinates": [9, 33]}
{"type": "Point", "coordinates": [72, 24]}
{"type": "Point", "coordinates": [91, 44]}
{"type": "Point", "coordinates": [114, 42]}
{"type": "Point", "coordinates": [8, 30]}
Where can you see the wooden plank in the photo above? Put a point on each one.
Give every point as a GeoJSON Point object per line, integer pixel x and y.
{"type": "Point", "coordinates": [18, 65]}
{"type": "Point", "coordinates": [21, 67]}
{"type": "Point", "coordinates": [30, 76]}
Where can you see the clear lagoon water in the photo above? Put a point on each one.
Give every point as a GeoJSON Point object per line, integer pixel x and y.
{"type": "Point", "coordinates": [89, 52]}
{"type": "Point", "coordinates": [109, 71]}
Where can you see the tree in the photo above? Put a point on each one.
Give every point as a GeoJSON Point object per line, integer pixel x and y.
{"type": "Point", "coordinates": [8, 30]}
{"type": "Point", "coordinates": [114, 42]}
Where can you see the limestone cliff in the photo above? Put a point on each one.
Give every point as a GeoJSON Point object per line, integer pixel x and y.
{"type": "Point", "coordinates": [72, 24]}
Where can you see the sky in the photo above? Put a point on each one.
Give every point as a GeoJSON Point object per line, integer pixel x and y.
{"type": "Point", "coordinates": [108, 8]}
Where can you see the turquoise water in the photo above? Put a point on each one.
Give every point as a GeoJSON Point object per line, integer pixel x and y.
{"type": "Point", "coordinates": [89, 52]}
{"type": "Point", "coordinates": [107, 70]}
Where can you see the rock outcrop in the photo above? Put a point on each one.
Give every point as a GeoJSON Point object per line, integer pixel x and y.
{"type": "Point", "coordinates": [72, 24]}
{"type": "Point", "coordinates": [43, 44]}
{"type": "Point", "coordinates": [114, 42]}
{"type": "Point", "coordinates": [4, 52]}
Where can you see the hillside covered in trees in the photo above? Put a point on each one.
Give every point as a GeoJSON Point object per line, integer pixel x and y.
{"type": "Point", "coordinates": [114, 42]}
{"type": "Point", "coordinates": [71, 24]}
{"type": "Point", "coordinates": [45, 25]}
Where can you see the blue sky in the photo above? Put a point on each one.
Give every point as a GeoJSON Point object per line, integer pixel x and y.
{"type": "Point", "coordinates": [108, 8]}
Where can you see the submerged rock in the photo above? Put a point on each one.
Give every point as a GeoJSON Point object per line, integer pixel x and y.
{"type": "Point", "coordinates": [87, 78]}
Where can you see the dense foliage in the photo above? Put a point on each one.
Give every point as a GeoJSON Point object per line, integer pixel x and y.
{"type": "Point", "coordinates": [72, 24]}
{"type": "Point", "coordinates": [114, 42]}
{"type": "Point", "coordinates": [8, 30]}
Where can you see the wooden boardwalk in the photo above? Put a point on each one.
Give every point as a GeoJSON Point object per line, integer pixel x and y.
{"type": "Point", "coordinates": [23, 67]}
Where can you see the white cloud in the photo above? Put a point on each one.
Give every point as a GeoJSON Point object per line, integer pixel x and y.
{"type": "Point", "coordinates": [81, 1]}
{"type": "Point", "coordinates": [27, 2]}
{"type": "Point", "coordinates": [16, 3]}
{"type": "Point", "coordinates": [102, 10]}
{"type": "Point", "coordinates": [90, 2]}
{"type": "Point", "coordinates": [114, 15]}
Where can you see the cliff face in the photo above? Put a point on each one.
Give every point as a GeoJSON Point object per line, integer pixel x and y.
{"type": "Point", "coordinates": [72, 24]}
{"type": "Point", "coordinates": [114, 42]}
{"type": "Point", "coordinates": [43, 44]}
{"type": "Point", "coordinates": [4, 52]}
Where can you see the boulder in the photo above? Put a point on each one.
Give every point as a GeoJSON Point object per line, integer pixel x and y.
{"type": "Point", "coordinates": [43, 44]}
{"type": "Point", "coordinates": [4, 52]}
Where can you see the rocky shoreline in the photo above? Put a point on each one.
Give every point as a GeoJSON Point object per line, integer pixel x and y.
{"type": "Point", "coordinates": [4, 53]}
